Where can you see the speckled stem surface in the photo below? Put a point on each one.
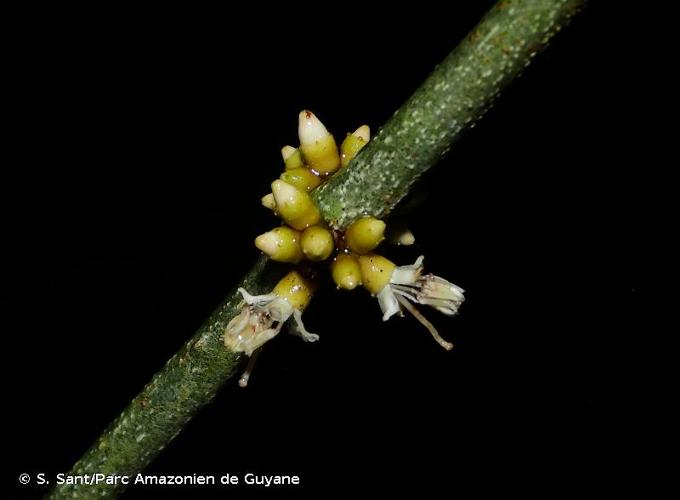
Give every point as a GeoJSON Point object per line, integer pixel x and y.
{"type": "Point", "coordinates": [453, 97]}
{"type": "Point", "coordinates": [189, 380]}
{"type": "Point", "coordinates": [457, 93]}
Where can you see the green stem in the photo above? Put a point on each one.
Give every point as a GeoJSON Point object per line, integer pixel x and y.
{"type": "Point", "coordinates": [457, 93]}
{"type": "Point", "coordinates": [453, 97]}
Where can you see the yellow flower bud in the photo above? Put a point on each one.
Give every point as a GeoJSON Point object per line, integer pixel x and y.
{"type": "Point", "coordinates": [269, 202]}
{"type": "Point", "coordinates": [281, 244]}
{"type": "Point", "coordinates": [295, 290]}
{"type": "Point", "coordinates": [317, 243]}
{"type": "Point", "coordinates": [292, 157]}
{"type": "Point", "coordinates": [353, 143]}
{"type": "Point", "coordinates": [364, 234]}
{"type": "Point", "coordinates": [376, 272]}
{"type": "Point", "coordinates": [346, 271]}
{"type": "Point", "coordinates": [317, 146]}
{"type": "Point", "coordinates": [301, 178]}
{"type": "Point", "coordinates": [295, 206]}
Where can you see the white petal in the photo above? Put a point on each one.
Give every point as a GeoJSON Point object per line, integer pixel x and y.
{"type": "Point", "coordinates": [440, 294]}
{"type": "Point", "coordinates": [256, 299]}
{"type": "Point", "coordinates": [449, 311]}
{"type": "Point", "coordinates": [406, 291]}
{"type": "Point", "coordinates": [252, 343]}
{"type": "Point", "coordinates": [388, 303]}
{"type": "Point", "coordinates": [279, 309]}
{"type": "Point", "coordinates": [407, 275]}
{"type": "Point", "coordinates": [238, 322]}
{"type": "Point", "coordinates": [253, 326]}
{"type": "Point", "coordinates": [300, 329]}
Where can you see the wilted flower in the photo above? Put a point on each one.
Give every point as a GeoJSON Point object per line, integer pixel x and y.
{"type": "Point", "coordinates": [262, 316]}
{"type": "Point", "coordinates": [396, 287]}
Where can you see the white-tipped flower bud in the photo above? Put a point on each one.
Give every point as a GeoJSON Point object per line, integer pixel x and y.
{"type": "Point", "coordinates": [295, 206]}
{"type": "Point", "coordinates": [292, 157]}
{"type": "Point", "coordinates": [269, 202]}
{"type": "Point", "coordinates": [317, 145]}
{"type": "Point", "coordinates": [353, 143]}
{"type": "Point", "coordinates": [281, 244]}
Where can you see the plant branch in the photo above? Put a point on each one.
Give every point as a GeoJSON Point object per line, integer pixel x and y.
{"type": "Point", "coordinates": [456, 94]}
{"type": "Point", "coordinates": [453, 97]}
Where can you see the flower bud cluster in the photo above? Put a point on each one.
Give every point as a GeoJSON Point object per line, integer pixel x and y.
{"type": "Point", "coordinates": [305, 239]}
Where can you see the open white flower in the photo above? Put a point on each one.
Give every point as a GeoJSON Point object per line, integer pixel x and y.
{"type": "Point", "coordinates": [262, 316]}
{"type": "Point", "coordinates": [396, 287]}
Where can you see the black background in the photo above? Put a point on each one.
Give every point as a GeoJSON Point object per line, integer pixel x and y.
{"type": "Point", "coordinates": [138, 147]}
